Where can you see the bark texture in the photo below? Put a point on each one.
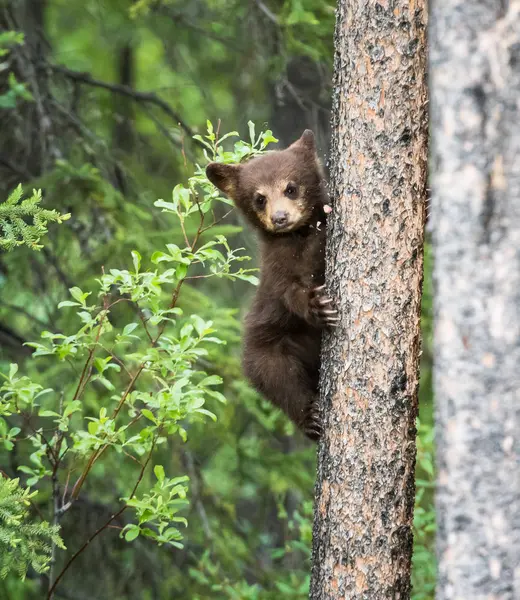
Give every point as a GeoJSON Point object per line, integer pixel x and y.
{"type": "Point", "coordinates": [365, 487]}
{"type": "Point", "coordinates": [475, 82]}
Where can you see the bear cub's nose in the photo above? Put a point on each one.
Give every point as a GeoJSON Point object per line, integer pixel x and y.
{"type": "Point", "coordinates": [280, 219]}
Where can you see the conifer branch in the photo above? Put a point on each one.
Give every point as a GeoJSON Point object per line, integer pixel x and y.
{"type": "Point", "coordinates": [25, 221]}
{"type": "Point", "coordinates": [23, 543]}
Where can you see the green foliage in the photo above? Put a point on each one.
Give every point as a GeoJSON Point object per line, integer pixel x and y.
{"type": "Point", "coordinates": [8, 39]}
{"type": "Point", "coordinates": [293, 564]}
{"type": "Point", "coordinates": [308, 26]}
{"type": "Point", "coordinates": [424, 562]}
{"type": "Point", "coordinates": [159, 508]}
{"type": "Point", "coordinates": [16, 89]}
{"type": "Point", "coordinates": [25, 221]}
{"type": "Point", "coordinates": [148, 375]}
{"type": "Point", "coordinates": [24, 542]}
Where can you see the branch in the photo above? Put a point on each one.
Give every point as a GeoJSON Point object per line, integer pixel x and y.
{"type": "Point", "coordinates": [107, 523]}
{"type": "Point", "coordinates": [18, 169]}
{"type": "Point", "coordinates": [26, 313]}
{"type": "Point", "coordinates": [9, 337]}
{"type": "Point", "coordinates": [55, 500]}
{"type": "Point", "coordinates": [267, 12]}
{"type": "Point", "coordinates": [195, 481]}
{"type": "Point", "coordinates": [180, 19]}
{"type": "Point", "coordinates": [125, 90]}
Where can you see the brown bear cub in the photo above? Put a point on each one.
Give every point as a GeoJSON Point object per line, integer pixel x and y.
{"type": "Point", "coordinates": [282, 194]}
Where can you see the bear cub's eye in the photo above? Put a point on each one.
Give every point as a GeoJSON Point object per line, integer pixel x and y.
{"type": "Point", "coordinates": [260, 201]}
{"type": "Point", "coordinates": [291, 190]}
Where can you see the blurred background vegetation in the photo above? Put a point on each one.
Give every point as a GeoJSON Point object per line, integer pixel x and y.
{"type": "Point", "coordinates": [99, 102]}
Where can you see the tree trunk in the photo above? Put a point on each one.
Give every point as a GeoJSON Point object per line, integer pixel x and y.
{"type": "Point", "coordinates": [365, 487]}
{"type": "Point", "coordinates": [475, 71]}
{"type": "Point", "coordinates": [27, 141]}
{"type": "Point", "coordinates": [124, 135]}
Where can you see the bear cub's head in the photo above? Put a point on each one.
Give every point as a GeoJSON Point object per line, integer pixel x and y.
{"type": "Point", "coordinates": [280, 191]}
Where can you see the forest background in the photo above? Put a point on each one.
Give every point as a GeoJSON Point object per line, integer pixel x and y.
{"type": "Point", "coordinates": [99, 103]}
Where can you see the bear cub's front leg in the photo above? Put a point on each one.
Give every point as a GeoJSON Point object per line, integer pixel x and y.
{"type": "Point", "coordinates": [311, 304]}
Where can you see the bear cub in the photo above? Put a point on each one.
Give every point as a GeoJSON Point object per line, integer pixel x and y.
{"type": "Point", "coordinates": [282, 195]}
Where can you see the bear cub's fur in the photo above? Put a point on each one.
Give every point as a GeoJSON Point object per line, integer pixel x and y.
{"type": "Point", "coordinates": [282, 195]}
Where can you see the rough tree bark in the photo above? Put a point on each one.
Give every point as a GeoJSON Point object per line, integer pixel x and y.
{"type": "Point", "coordinates": [365, 487]}
{"type": "Point", "coordinates": [475, 83]}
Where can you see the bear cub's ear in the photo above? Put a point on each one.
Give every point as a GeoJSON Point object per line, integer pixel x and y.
{"type": "Point", "coordinates": [225, 177]}
{"type": "Point", "coordinates": [306, 141]}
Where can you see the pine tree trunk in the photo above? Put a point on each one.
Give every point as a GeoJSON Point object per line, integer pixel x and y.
{"type": "Point", "coordinates": [365, 487]}
{"type": "Point", "coordinates": [475, 75]}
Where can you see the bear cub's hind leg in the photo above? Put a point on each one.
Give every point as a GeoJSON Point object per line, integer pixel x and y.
{"type": "Point", "coordinates": [283, 379]}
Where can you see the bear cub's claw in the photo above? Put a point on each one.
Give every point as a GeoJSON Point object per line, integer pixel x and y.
{"type": "Point", "coordinates": [312, 426]}
{"type": "Point", "coordinates": [322, 308]}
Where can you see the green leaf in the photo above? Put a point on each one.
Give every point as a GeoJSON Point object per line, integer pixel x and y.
{"type": "Point", "coordinates": [71, 408]}
{"type": "Point", "coordinates": [132, 533]}
{"type": "Point", "coordinates": [159, 473]}
{"type": "Point", "coordinates": [183, 434]}
{"type": "Point", "coordinates": [149, 415]}
{"type": "Point", "coordinates": [166, 206]}
{"type": "Point", "coordinates": [78, 295]}
{"type": "Point", "coordinates": [251, 127]}
{"type": "Point", "coordinates": [13, 369]}
{"type": "Point", "coordinates": [48, 413]}
{"type": "Point", "coordinates": [136, 258]}
{"type": "Point", "coordinates": [227, 135]}
{"type": "Point", "coordinates": [211, 380]}
{"type": "Point", "coordinates": [129, 328]}
{"type": "Point", "coordinates": [209, 414]}
{"type": "Point", "coordinates": [200, 325]}
{"type": "Point", "coordinates": [181, 196]}
{"type": "Point", "coordinates": [200, 139]}
{"type": "Point", "coordinates": [180, 271]}
{"type": "Point", "coordinates": [68, 303]}
{"type": "Point", "coordinates": [249, 278]}
{"type": "Point", "coordinates": [186, 330]}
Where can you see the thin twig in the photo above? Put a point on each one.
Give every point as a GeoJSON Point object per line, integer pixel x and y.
{"type": "Point", "coordinates": [97, 453]}
{"type": "Point", "coordinates": [81, 386]}
{"type": "Point", "coordinates": [216, 222]}
{"type": "Point", "coordinates": [183, 150]}
{"type": "Point", "coordinates": [143, 321]}
{"type": "Point", "coordinates": [125, 90]}
{"type": "Point", "coordinates": [181, 20]}
{"type": "Point", "coordinates": [181, 221]}
{"type": "Point", "coordinates": [118, 360]}
{"type": "Point", "coordinates": [66, 487]}
{"type": "Point", "coordinates": [55, 501]}
{"type": "Point", "coordinates": [267, 12]}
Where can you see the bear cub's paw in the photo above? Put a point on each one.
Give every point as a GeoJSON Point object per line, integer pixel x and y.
{"type": "Point", "coordinates": [321, 308]}
{"type": "Point", "coordinates": [312, 426]}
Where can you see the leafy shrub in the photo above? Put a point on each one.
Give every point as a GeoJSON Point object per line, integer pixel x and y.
{"type": "Point", "coordinates": [144, 359]}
